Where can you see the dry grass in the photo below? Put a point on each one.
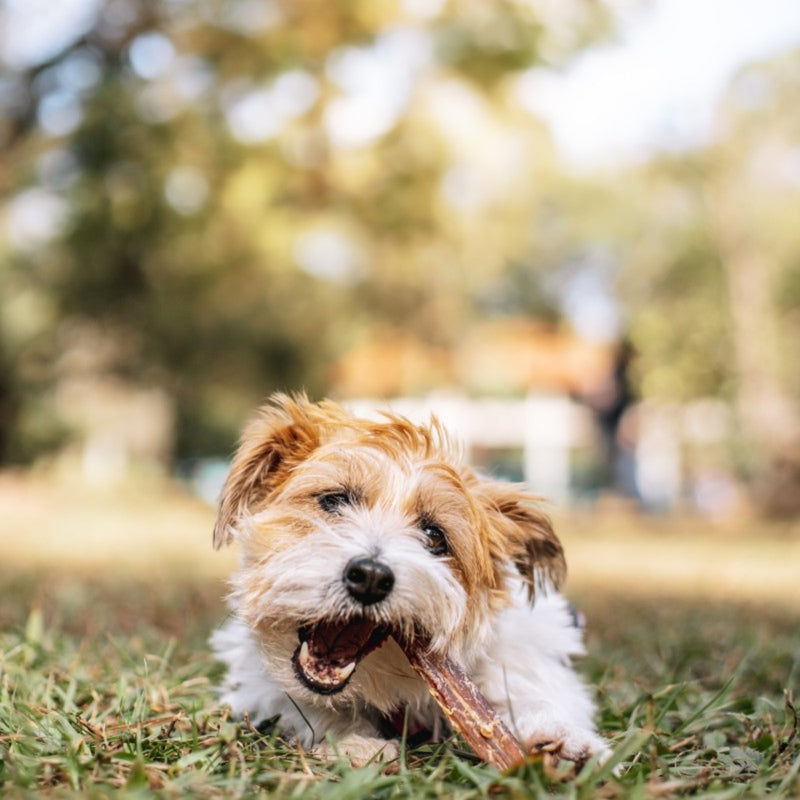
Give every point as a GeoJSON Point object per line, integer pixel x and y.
{"type": "Point", "coordinates": [739, 561]}
{"type": "Point", "coordinates": [140, 529]}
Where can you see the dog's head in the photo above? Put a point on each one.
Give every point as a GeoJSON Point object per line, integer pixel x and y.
{"type": "Point", "coordinates": [352, 531]}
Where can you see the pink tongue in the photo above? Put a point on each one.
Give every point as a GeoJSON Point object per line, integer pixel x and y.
{"type": "Point", "coordinates": [340, 643]}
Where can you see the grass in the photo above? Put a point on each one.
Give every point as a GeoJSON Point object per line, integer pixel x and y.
{"type": "Point", "coordinates": [106, 690]}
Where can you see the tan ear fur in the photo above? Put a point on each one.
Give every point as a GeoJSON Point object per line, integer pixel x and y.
{"type": "Point", "coordinates": [284, 432]}
{"type": "Point", "coordinates": [524, 535]}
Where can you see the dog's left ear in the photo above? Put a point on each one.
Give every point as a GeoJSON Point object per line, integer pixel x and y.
{"type": "Point", "coordinates": [524, 535]}
{"type": "Point", "coordinates": [285, 431]}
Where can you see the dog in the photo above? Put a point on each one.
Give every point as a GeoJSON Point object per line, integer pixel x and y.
{"type": "Point", "coordinates": [355, 535]}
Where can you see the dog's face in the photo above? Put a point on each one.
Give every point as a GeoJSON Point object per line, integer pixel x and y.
{"type": "Point", "coordinates": [354, 531]}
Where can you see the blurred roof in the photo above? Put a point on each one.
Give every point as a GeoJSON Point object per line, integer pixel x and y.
{"type": "Point", "coordinates": [497, 357]}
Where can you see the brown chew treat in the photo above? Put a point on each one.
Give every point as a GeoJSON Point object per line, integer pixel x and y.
{"type": "Point", "coordinates": [466, 708]}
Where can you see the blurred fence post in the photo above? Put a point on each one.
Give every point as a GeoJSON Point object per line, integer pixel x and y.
{"type": "Point", "coordinates": [659, 469]}
{"type": "Point", "coordinates": [548, 434]}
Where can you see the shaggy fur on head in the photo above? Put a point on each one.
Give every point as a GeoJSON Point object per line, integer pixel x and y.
{"type": "Point", "coordinates": [355, 534]}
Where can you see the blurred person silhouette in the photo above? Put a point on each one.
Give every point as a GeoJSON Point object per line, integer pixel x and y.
{"type": "Point", "coordinates": [611, 401]}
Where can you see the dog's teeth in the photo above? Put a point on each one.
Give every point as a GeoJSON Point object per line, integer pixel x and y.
{"type": "Point", "coordinates": [304, 657]}
{"type": "Point", "coordinates": [346, 672]}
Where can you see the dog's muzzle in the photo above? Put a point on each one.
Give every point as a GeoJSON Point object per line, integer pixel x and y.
{"type": "Point", "coordinates": [330, 650]}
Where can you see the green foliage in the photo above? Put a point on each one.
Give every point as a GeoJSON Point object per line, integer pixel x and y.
{"type": "Point", "coordinates": [100, 701]}
{"type": "Point", "coordinates": [178, 250]}
{"type": "Point", "coordinates": [708, 275]}
{"type": "Point", "coordinates": [221, 233]}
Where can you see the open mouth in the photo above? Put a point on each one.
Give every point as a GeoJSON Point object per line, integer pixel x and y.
{"type": "Point", "coordinates": [329, 652]}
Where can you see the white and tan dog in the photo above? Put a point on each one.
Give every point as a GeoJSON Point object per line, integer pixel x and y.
{"type": "Point", "coordinates": [355, 534]}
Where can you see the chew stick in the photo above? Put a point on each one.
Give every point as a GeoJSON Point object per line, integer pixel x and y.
{"type": "Point", "coordinates": [467, 709]}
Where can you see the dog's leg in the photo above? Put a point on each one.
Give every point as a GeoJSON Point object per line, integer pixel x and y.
{"type": "Point", "coordinates": [527, 676]}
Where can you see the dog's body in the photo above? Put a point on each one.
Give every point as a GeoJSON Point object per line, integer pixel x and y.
{"type": "Point", "coordinates": [355, 535]}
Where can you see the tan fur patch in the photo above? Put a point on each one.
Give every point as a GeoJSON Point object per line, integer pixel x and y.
{"type": "Point", "coordinates": [295, 451]}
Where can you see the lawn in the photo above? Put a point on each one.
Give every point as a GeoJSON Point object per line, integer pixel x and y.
{"type": "Point", "coordinates": [106, 683]}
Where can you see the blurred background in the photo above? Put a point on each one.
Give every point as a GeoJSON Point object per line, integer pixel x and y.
{"type": "Point", "coordinates": [571, 228]}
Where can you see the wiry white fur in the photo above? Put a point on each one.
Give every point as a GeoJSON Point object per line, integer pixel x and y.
{"type": "Point", "coordinates": [519, 656]}
{"type": "Point", "coordinates": [304, 582]}
{"type": "Point", "coordinates": [527, 676]}
{"type": "Point", "coordinates": [520, 660]}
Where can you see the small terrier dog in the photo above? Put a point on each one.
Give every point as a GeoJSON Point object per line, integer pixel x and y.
{"type": "Point", "coordinates": [356, 534]}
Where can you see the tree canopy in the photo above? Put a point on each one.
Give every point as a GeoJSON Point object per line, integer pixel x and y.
{"type": "Point", "coordinates": [218, 199]}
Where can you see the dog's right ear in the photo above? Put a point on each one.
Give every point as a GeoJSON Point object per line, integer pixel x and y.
{"type": "Point", "coordinates": [522, 534]}
{"type": "Point", "coordinates": [284, 433]}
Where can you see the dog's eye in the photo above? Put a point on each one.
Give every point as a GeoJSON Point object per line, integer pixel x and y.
{"type": "Point", "coordinates": [437, 541]}
{"type": "Point", "coordinates": [332, 502]}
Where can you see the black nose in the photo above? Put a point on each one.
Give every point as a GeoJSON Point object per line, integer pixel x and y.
{"type": "Point", "coordinates": [368, 580]}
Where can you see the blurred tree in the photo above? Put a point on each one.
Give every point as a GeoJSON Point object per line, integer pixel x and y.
{"type": "Point", "coordinates": [756, 201]}
{"type": "Point", "coordinates": [711, 273]}
{"type": "Point", "coordinates": [215, 197]}
{"type": "Point", "coordinates": [702, 249]}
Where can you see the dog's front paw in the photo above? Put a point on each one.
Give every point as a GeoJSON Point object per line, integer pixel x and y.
{"type": "Point", "coordinates": [360, 750]}
{"type": "Point", "coordinates": [577, 745]}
